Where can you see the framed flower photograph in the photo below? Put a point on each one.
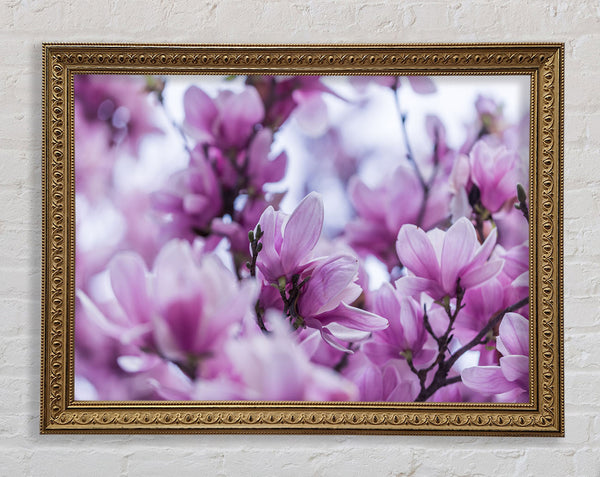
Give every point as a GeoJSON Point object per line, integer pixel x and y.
{"type": "Point", "coordinates": [332, 239]}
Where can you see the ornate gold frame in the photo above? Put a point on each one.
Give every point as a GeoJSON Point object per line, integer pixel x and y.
{"type": "Point", "coordinates": [542, 416]}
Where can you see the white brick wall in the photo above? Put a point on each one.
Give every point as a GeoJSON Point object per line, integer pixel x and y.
{"type": "Point", "coordinates": [27, 23]}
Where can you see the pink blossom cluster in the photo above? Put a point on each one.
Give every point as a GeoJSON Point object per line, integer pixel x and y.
{"type": "Point", "coordinates": [204, 286]}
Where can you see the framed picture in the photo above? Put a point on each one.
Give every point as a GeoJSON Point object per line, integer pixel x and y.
{"type": "Point", "coordinates": [296, 239]}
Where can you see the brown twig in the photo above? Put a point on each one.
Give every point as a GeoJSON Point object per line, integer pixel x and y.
{"type": "Point", "coordinates": [441, 378]}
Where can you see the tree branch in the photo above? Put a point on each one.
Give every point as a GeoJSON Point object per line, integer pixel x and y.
{"type": "Point", "coordinates": [484, 331]}
{"type": "Point", "coordinates": [441, 376]}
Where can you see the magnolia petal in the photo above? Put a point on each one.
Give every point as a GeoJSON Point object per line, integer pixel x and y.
{"type": "Point", "coordinates": [200, 113]}
{"type": "Point", "coordinates": [365, 200]}
{"type": "Point", "coordinates": [302, 231]}
{"type": "Point", "coordinates": [385, 302]}
{"type": "Point", "coordinates": [513, 336]}
{"type": "Point", "coordinates": [274, 170]}
{"type": "Point", "coordinates": [165, 201]}
{"type": "Point", "coordinates": [505, 189]}
{"type": "Point", "coordinates": [227, 229]}
{"type": "Point", "coordinates": [371, 384]}
{"type": "Point", "coordinates": [416, 252]}
{"type": "Point", "coordinates": [413, 286]}
{"type": "Point", "coordinates": [328, 280]}
{"type": "Point", "coordinates": [486, 380]}
{"type": "Point", "coordinates": [239, 302]}
{"type": "Point", "coordinates": [486, 249]}
{"type": "Point", "coordinates": [391, 378]}
{"type": "Point", "coordinates": [515, 368]}
{"type": "Point", "coordinates": [459, 205]}
{"type": "Point", "coordinates": [92, 313]}
{"type": "Point", "coordinates": [219, 389]}
{"type": "Point", "coordinates": [137, 363]}
{"type": "Point", "coordinates": [354, 318]}
{"type": "Point", "coordinates": [195, 204]}
{"type": "Point", "coordinates": [459, 247]}
{"type": "Point", "coordinates": [480, 154]}
{"type": "Point", "coordinates": [128, 274]}
{"type": "Point", "coordinates": [459, 176]}
{"type": "Point", "coordinates": [327, 335]}
{"type": "Point", "coordinates": [310, 344]}
{"type": "Point", "coordinates": [236, 304]}
{"type": "Point", "coordinates": [403, 392]}
{"type": "Point", "coordinates": [412, 324]}
{"type": "Point", "coordinates": [380, 352]}
{"type": "Point", "coordinates": [176, 276]}
{"type": "Point", "coordinates": [424, 358]}
{"type": "Point", "coordinates": [170, 383]}
{"type": "Point", "coordinates": [130, 335]}
{"type": "Point", "coordinates": [259, 149]}
{"type": "Point", "coordinates": [522, 281]}
{"type": "Point", "coordinates": [422, 84]}
{"type": "Point", "coordinates": [347, 334]}
{"type": "Point", "coordinates": [311, 114]}
{"type": "Point", "coordinates": [240, 112]}
{"type": "Point", "coordinates": [268, 259]}
{"type": "Point", "coordinates": [165, 341]}
{"type": "Point", "coordinates": [480, 275]}
{"type": "Point", "coordinates": [327, 385]}
{"type": "Point", "coordinates": [405, 189]}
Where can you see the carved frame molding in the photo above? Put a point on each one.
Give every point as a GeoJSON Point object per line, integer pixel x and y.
{"type": "Point", "coordinates": [542, 416]}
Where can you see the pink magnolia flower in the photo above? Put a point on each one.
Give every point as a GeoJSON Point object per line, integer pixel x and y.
{"type": "Point", "coordinates": [438, 259]}
{"type": "Point", "coordinates": [325, 298]}
{"type": "Point", "coordinates": [289, 240]}
{"type": "Point", "coordinates": [419, 84]}
{"type": "Point", "coordinates": [510, 380]}
{"type": "Point", "coordinates": [298, 95]}
{"type": "Point", "coordinates": [490, 124]}
{"type": "Point", "coordinates": [480, 305]}
{"type": "Point", "coordinates": [148, 376]}
{"type": "Point", "coordinates": [436, 131]}
{"type": "Point", "coordinates": [515, 275]}
{"type": "Point", "coordinates": [126, 316]}
{"type": "Point", "coordinates": [191, 199]}
{"type": "Point", "coordinates": [112, 366]}
{"type": "Point", "coordinates": [162, 380]}
{"type": "Point", "coordinates": [329, 286]}
{"type": "Point", "coordinates": [516, 261]}
{"type": "Point", "coordinates": [261, 169]}
{"type": "Point", "coordinates": [275, 368]}
{"type": "Point", "coordinates": [405, 337]}
{"type": "Point", "coordinates": [391, 382]}
{"type": "Point", "coordinates": [236, 228]}
{"type": "Point", "coordinates": [94, 157]}
{"type": "Point", "coordinates": [496, 172]}
{"type": "Point", "coordinates": [457, 392]}
{"type": "Point", "coordinates": [512, 226]}
{"type": "Point", "coordinates": [182, 311]}
{"type": "Point", "coordinates": [196, 302]}
{"type": "Point", "coordinates": [228, 121]}
{"type": "Point", "coordinates": [247, 168]}
{"type": "Point", "coordinates": [319, 351]}
{"type": "Point", "coordinates": [380, 217]}
{"type": "Point", "coordinates": [120, 104]}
